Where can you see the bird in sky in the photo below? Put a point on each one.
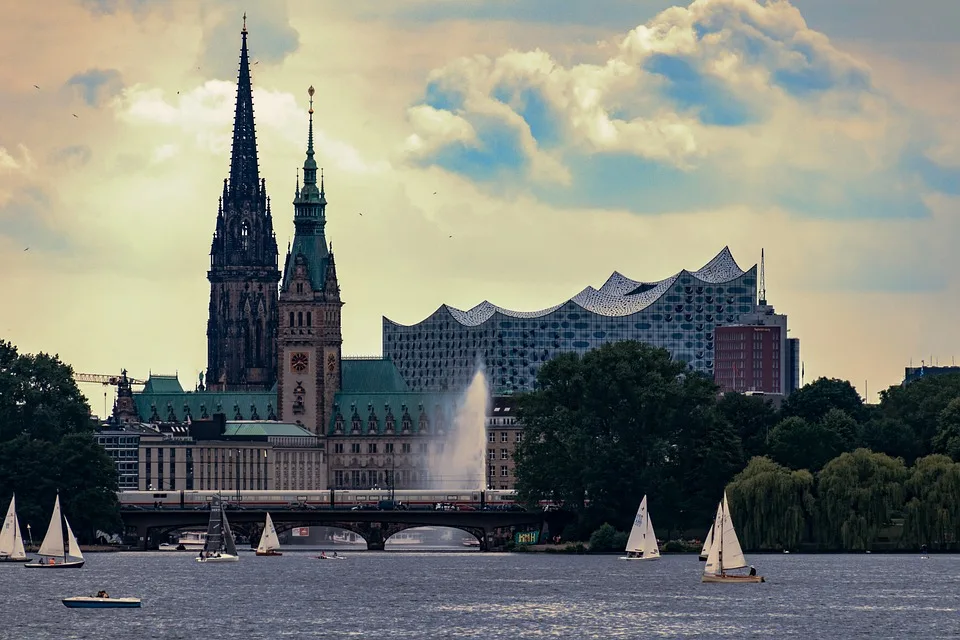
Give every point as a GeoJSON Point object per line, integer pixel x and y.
{"type": "Point", "coordinates": [359, 214]}
{"type": "Point", "coordinates": [434, 193]}
{"type": "Point", "coordinates": [75, 115]}
{"type": "Point", "coordinates": [36, 87]}
{"type": "Point", "coordinates": [449, 236]}
{"type": "Point", "coordinates": [27, 249]}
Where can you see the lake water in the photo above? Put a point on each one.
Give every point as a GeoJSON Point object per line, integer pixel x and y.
{"type": "Point", "coordinates": [490, 596]}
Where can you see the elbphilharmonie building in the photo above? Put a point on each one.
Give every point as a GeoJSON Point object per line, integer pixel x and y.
{"type": "Point", "coordinates": [679, 313]}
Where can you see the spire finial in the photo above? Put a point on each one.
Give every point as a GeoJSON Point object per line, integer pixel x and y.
{"type": "Point", "coordinates": [244, 22]}
{"type": "Point", "coordinates": [321, 182]}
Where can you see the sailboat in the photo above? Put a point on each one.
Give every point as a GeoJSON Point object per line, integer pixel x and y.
{"type": "Point", "coordinates": [725, 553]}
{"type": "Point", "coordinates": [11, 542]}
{"type": "Point", "coordinates": [706, 545]}
{"type": "Point", "coordinates": [219, 545]}
{"type": "Point", "coordinates": [269, 542]}
{"type": "Point", "coordinates": [53, 546]}
{"type": "Point", "coordinates": [642, 543]}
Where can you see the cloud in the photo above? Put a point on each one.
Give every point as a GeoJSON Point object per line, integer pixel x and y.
{"type": "Point", "coordinates": [20, 162]}
{"type": "Point", "coordinates": [72, 156]}
{"type": "Point", "coordinates": [27, 220]}
{"type": "Point", "coordinates": [270, 40]}
{"type": "Point", "coordinates": [724, 102]}
{"type": "Point", "coordinates": [96, 86]}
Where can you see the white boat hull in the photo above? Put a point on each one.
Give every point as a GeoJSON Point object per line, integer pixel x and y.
{"type": "Point", "coordinates": [86, 602]}
{"type": "Point", "coordinates": [639, 557]}
{"type": "Point", "coordinates": [225, 557]}
{"type": "Point", "coordinates": [59, 565]}
{"type": "Point", "coordinates": [731, 579]}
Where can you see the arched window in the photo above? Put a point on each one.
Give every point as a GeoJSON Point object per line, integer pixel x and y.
{"type": "Point", "coordinates": [244, 235]}
{"type": "Point", "coordinates": [299, 318]}
{"type": "Point", "coordinates": [309, 319]}
{"type": "Point", "coordinates": [291, 318]}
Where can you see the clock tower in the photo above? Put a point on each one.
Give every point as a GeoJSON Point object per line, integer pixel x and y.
{"type": "Point", "coordinates": [309, 337]}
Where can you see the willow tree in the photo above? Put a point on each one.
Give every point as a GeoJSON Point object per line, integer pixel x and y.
{"type": "Point", "coordinates": [771, 504]}
{"type": "Point", "coordinates": [933, 505]}
{"type": "Point", "coordinates": [856, 495]}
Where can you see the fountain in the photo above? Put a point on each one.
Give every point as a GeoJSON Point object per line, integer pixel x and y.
{"type": "Point", "coordinates": [462, 465]}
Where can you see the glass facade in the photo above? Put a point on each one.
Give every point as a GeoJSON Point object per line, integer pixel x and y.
{"type": "Point", "coordinates": [124, 448]}
{"type": "Point", "coordinates": [679, 313]}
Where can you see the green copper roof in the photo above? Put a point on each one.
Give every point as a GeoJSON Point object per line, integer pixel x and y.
{"type": "Point", "coordinates": [269, 429]}
{"type": "Point", "coordinates": [232, 404]}
{"type": "Point", "coordinates": [162, 384]}
{"type": "Point", "coordinates": [439, 409]}
{"type": "Point", "coordinates": [372, 375]}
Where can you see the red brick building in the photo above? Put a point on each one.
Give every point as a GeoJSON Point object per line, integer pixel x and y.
{"type": "Point", "coordinates": [749, 358]}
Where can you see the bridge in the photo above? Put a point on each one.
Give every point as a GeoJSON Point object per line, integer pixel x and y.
{"type": "Point", "coordinates": [373, 525]}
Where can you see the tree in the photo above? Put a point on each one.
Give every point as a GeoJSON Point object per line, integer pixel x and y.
{"type": "Point", "coordinates": [753, 416]}
{"type": "Point", "coordinates": [884, 434]}
{"type": "Point", "coordinates": [610, 426]}
{"type": "Point", "coordinates": [771, 505]}
{"type": "Point", "coordinates": [38, 396]}
{"type": "Point", "coordinates": [919, 405]}
{"type": "Point", "coordinates": [932, 512]}
{"type": "Point", "coordinates": [856, 494]}
{"type": "Point", "coordinates": [947, 438]}
{"type": "Point", "coordinates": [799, 444]}
{"type": "Point", "coordinates": [46, 446]}
{"type": "Point", "coordinates": [812, 402]}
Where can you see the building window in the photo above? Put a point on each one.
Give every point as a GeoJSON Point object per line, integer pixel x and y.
{"type": "Point", "coordinates": [338, 447]}
{"type": "Point", "coordinates": [423, 447]}
{"type": "Point", "coordinates": [309, 319]}
{"type": "Point", "coordinates": [491, 454]}
{"type": "Point", "coordinates": [299, 318]}
{"type": "Point", "coordinates": [519, 437]}
{"type": "Point", "coordinates": [372, 447]}
{"type": "Point", "coordinates": [504, 454]}
{"type": "Point", "coordinates": [504, 471]}
{"type": "Point", "coordinates": [389, 447]}
{"type": "Point", "coordinates": [504, 436]}
{"type": "Point", "coordinates": [491, 437]}
{"type": "Point", "coordinates": [291, 318]}
{"type": "Point", "coordinates": [244, 236]}
{"type": "Point", "coordinates": [405, 447]}
{"type": "Point", "coordinates": [355, 447]}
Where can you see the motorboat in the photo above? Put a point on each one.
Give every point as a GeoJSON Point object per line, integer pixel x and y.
{"type": "Point", "coordinates": [101, 602]}
{"type": "Point", "coordinates": [188, 541]}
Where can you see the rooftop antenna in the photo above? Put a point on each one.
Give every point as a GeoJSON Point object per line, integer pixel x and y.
{"type": "Point", "coordinates": [763, 280]}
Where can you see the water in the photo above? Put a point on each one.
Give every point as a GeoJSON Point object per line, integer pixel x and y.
{"type": "Point", "coordinates": [462, 465]}
{"type": "Point", "coordinates": [485, 596]}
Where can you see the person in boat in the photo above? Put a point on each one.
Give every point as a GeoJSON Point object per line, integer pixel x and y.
{"type": "Point", "coordinates": [334, 554]}
{"type": "Point", "coordinates": [102, 594]}
{"type": "Point", "coordinates": [753, 570]}
{"type": "Point", "coordinates": [323, 554]}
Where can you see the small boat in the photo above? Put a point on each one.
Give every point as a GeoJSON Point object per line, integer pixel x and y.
{"type": "Point", "coordinates": [11, 542]}
{"type": "Point", "coordinates": [269, 541]}
{"type": "Point", "coordinates": [642, 543]}
{"type": "Point", "coordinates": [470, 542]}
{"type": "Point", "coordinates": [101, 602]}
{"type": "Point", "coordinates": [188, 541]}
{"type": "Point", "coordinates": [706, 545]}
{"type": "Point", "coordinates": [323, 556]}
{"type": "Point", "coordinates": [725, 553]}
{"type": "Point", "coordinates": [60, 553]}
{"type": "Point", "coordinates": [219, 545]}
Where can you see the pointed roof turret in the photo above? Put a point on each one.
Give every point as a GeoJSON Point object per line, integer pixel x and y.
{"type": "Point", "coordinates": [244, 169]}
{"type": "Point", "coordinates": [309, 220]}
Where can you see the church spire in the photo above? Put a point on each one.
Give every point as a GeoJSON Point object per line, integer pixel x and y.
{"type": "Point", "coordinates": [244, 170]}
{"type": "Point", "coordinates": [309, 193]}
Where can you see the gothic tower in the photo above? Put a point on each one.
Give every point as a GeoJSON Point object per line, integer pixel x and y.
{"type": "Point", "coordinates": [309, 338]}
{"type": "Point", "coordinates": [242, 329]}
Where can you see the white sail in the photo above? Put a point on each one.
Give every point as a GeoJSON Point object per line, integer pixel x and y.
{"type": "Point", "coordinates": [269, 541]}
{"type": "Point", "coordinates": [725, 552]}
{"type": "Point", "coordinates": [650, 548]}
{"type": "Point", "coordinates": [707, 542]}
{"type": "Point", "coordinates": [73, 549]}
{"type": "Point", "coordinates": [635, 541]}
{"type": "Point", "coordinates": [52, 544]}
{"type": "Point", "coordinates": [11, 542]}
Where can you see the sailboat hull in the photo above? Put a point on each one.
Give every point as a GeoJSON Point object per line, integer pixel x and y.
{"type": "Point", "coordinates": [639, 557]}
{"type": "Point", "coordinates": [731, 579]}
{"type": "Point", "coordinates": [223, 558]}
{"type": "Point", "coordinates": [9, 559]}
{"type": "Point", "coordinates": [269, 553]}
{"type": "Point", "coordinates": [58, 565]}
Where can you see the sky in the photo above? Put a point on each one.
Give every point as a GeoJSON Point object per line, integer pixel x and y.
{"type": "Point", "coordinates": [555, 143]}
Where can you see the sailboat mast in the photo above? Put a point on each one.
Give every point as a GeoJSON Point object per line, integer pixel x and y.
{"type": "Point", "coordinates": [723, 515]}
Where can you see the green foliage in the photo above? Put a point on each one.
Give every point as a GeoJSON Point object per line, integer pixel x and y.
{"type": "Point", "coordinates": [771, 504]}
{"type": "Point", "coordinates": [46, 446]}
{"type": "Point", "coordinates": [625, 420]}
{"type": "Point", "coordinates": [606, 538]}
{"type": "Point", "coordinates": [857, 493]}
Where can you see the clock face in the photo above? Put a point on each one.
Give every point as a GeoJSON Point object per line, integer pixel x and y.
{"type": "Point", "coordinates": [299, 362]}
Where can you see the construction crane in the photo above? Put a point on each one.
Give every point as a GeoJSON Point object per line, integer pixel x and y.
{"type": "Point", "coordinates": [116, 381]}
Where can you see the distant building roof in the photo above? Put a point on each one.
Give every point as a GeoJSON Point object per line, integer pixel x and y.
{"type": "Point", "coordinates": [174, 406]}
{"type": "Point", "coordinates": [912, 374]}
{"type": "Point", "coordinates": [162, 384]}
{"type": "Point", "coordinates": [265, 428]}
{"type": "Point", "coordinates": [371, 375]}
{"type": "Point", "coordinates": [438, 407]}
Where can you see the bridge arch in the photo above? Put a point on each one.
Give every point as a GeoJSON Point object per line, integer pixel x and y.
{"type": "Point", "coordinates": [395, 528]}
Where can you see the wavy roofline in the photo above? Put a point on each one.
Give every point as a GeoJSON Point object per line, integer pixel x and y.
{"type": "Point", "coordinates": [617, 297]}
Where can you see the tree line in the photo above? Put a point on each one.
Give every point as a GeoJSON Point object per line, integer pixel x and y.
{"type": "Point", "coordinates": [823, 470]}
{"type": "Point", "coordinates": [47, 446]}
